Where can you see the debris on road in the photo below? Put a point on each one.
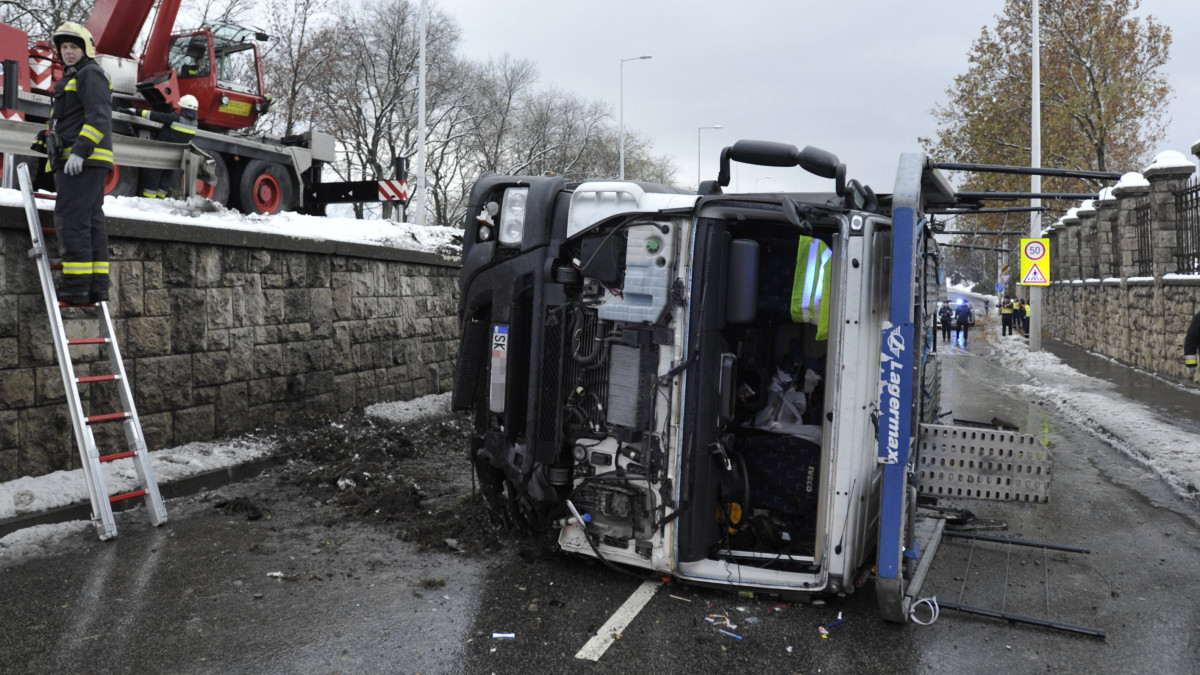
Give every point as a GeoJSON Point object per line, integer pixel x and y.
{"type": "Point", "coordinates": [240, 505]}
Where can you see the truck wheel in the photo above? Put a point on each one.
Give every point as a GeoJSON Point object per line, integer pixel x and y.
{"type": "Point", "coordinates": [217, 191]}
{"type": "Point", "coordinates": [122, 181]}
{"type": "Point", "coordinates": [266, 187]}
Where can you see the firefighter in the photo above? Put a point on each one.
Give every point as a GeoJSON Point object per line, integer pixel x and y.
{"type": "Point", "coordinates": [78, 146]}
{"type": "Point", "coordinates": [965, 316]}
{"type": "Point", "coordinates": [1006, 316]}
{"type": "Point", "coordinates": [177, 127]}
{"type": "Point", "coordinates": [946, 315]}
{"type": "Point", "coordinates": [1018, 314]}
{"type": "Point", "coordinates": [1025, 311]}
{"type": "Point", "coordinates": [1191, 343]}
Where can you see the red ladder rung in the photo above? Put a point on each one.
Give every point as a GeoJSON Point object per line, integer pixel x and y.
{"type": "Point", "coordinates": [48, 230]}
{"type": "Point", "coordinates": [95, 378]}
{"type": "Point", "coordinates": [55, 267]}
{"type": "Point", "coordinates": [87, 341]}
{"type": "Point", "coordinates": [76, 304]}
{"type": "Point", "coordinates": [106, 417]}
{"type": "Point", "coordinates": [127, 495]}
{"type": "Point", "coordinates": [117, 455]}
{"type": "Point", "coordinates": [45, 195]}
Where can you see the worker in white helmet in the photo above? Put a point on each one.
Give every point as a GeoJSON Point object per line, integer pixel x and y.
{"type": "Point", "coordinates": [177, 127]}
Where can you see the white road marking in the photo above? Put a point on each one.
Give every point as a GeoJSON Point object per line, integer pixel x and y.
{"type": "Point", "coordinates": [595, 648]}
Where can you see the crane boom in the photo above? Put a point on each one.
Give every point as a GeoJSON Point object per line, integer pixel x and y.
{"type": "Point", "coordinates": [115, 25]}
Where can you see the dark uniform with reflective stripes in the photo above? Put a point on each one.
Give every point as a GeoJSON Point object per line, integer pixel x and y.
{"type": "Point", "coordinates": [964, 314]}
{"type": "Point", "coordinates": [81, 116]}
{"type": "Point", "coordinates": [1192, 342]}
{"type": "Point", "coordinates": [177, 127]}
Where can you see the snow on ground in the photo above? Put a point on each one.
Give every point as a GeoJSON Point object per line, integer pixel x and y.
{"type": "Point", "coordinates": [30, 494]}
{"type": "Point", "coordinates": [1129, 426]}
{"type": "Point", "coordinates": [61, 488]}
{"type": "Point", "coordinates": [200, 212]}
{"type": "Point", "coordinates": [407, 412]}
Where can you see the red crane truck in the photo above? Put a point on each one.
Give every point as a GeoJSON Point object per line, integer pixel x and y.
{"type": "Point", "coordinates": [219, 64]}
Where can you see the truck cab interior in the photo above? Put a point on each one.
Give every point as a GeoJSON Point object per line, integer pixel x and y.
{"type": "Point", "coordinates": [752, 477]}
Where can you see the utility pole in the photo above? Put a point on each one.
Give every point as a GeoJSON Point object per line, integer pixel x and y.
{"type": "Point", "coordinates": [421, 117]}
{"type": "Point", "coordinates": [621, 113]}
{"type": "Point", "coordinates": [1035, 217]}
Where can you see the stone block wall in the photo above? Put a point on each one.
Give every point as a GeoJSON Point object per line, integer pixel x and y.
{"type": "Point", "coordinates": [1140, 321]}
{"type": "Point", "coordinates": [222, 332]}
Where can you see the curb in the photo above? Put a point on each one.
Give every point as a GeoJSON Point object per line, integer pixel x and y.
{"type": "Point", "coordinates": [183, 487]}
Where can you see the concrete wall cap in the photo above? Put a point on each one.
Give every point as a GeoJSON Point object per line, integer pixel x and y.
{"type": "Point", "coordinates": [1087, 209]}
{"type": "Point", "coordinates": [1107, 199]}
{"type": "Point", "coordinates": [1171, 162]}
{"type": "Point", "coordinates": [1132, 179]}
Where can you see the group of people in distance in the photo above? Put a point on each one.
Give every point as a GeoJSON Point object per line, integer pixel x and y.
{"type": "Point", "coordinates": [957, 318]}
{"type": "Point", "coordinates": [1014, 312]}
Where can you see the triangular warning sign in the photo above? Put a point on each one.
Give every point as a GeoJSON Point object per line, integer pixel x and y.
{"type": "Point", "coordinates": [1034, 275]}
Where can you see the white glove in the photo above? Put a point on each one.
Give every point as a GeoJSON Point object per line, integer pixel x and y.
{"type": "Point", "coordinates": [74, 165]}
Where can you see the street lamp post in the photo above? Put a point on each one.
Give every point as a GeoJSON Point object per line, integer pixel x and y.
{"type": "Point", "coordinates": [758, 179]}
{"type": "Point", "coordinates": [715, 126]}
{"type": "Point", "coordinates": [622, 109]}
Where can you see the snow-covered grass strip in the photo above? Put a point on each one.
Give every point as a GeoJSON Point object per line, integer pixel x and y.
{"type": "Point", "coordinates": [1133, 428]}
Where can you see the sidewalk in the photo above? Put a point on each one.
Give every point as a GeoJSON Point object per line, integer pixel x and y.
{"type": "Point", "coordinates": [1154, 421]}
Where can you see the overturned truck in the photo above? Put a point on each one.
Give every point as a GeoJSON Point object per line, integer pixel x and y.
{"type": "Point", "coordinates": [726, 388]}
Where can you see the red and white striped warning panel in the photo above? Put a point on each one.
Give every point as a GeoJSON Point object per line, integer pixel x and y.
{"type": "Point", "coordinates": [6, 114]}
{"type": "Point", "coordinates": [393, 190]}
{"type": "Point", "coordinates": [41, 70]}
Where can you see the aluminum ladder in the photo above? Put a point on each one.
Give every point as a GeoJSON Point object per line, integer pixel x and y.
{"type": "Point", "coordinates": [102, 512]}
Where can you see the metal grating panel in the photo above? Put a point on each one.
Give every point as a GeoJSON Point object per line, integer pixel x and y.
{"type": "Point", "coordinates": [972, 463]}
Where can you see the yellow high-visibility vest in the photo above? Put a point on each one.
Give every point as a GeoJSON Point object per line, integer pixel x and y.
{"type": "Point", "coordinates": [810, 287]}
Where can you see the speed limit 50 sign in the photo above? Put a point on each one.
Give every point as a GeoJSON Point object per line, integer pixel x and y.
{"type": "Point", "coordinates": [1035, 262]}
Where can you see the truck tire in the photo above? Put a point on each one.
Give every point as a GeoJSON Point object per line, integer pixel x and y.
{"type": "Point", "coordinates": [266, 187]}
{"type": "Point", "coordinates": [217, 191]}
{"type": "Point", "coordinates": [122, 181]}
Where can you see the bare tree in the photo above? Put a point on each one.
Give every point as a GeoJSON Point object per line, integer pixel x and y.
{"type": "Point", "coordinates": [39, 18]}
{"type": "Point", "coordinates": [291, 65]}
{"type": "Point", "coordinates": [232, 11]}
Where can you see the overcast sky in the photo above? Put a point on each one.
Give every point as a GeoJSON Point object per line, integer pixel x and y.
{"type": "Point", "coordinates": [857, 78]}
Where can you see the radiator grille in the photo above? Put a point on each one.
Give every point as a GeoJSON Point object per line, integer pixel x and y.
{"type": "Point", "coordinates": [624, 373]}
{"type": "Point", "coordinates": [472, 355]}
{"type": "Point", "coordinates": [550, 399]}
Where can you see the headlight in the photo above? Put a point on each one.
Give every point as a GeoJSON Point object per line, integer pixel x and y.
{"type": "Point", "coordinates": [512, 215]}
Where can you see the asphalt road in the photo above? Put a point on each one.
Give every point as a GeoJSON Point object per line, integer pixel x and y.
{"type": "Point", "coordinates": [305, 592]}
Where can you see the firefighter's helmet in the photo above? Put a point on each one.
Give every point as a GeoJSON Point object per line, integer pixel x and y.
{"type": "Point", "coordinates": [73, 32]}
{"type": "Point", "coordinates": [189, 102]}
